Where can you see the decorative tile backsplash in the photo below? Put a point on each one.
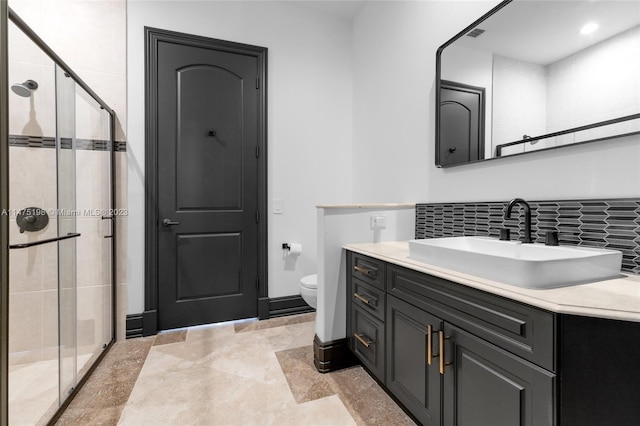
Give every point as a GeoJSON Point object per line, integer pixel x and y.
{"type": "Point", "coordinates": [65, 143]}
{"type": "Point", "coordinates": [613, 224]}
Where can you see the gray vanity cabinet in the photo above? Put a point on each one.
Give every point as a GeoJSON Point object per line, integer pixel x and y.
{"type": "Point", "coordinates": [413, 376]}
{"type": "Point", "coordinates": [487, 386]}
{"type": "Point", "coordinates": [457, 356]}
{"type": "Point", "coordinates": [440, 349]}
{"type": "Point", "coordinates": [477, 383]}
{"type": "Point", "coordinates": [366, 312]}
{"type": "Point", "coordinates": [367, 341]}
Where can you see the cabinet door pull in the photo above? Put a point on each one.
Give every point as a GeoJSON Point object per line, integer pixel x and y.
{"type": "Point", "coordinates": [442, 363]}
{"type": "Point", "coordinates": [429, 343]}
{"type": "Point", "coordinates": [361, 339]}
{"type": "Point", "coordinates": [362, 298]}
{"type": "Point", "coordinates": [365, 271]}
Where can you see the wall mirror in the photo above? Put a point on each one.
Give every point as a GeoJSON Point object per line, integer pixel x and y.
{"type": "Point", "coordinates": [534, 75]}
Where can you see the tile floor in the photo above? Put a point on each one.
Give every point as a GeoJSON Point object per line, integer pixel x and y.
{"type": "Point", "coordinates": [242, 373]}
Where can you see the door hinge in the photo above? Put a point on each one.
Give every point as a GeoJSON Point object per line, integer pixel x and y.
{"type": "Point", "coordinates": [257, 151]}
{"type": "Point", "coordinates": [257, 82]}
{"type": "Point", "coordinates": [257, 216]}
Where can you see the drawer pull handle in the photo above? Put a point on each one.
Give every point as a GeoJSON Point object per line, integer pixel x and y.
{"type": "Point", "coordinates": [362, 298]}
{"type": "Point", "coordinates": [442, 363]}
{"type": "Point", "coordinates": [365, 270]}
{"type": "Point", "coordinates": [362, 340]}
{"type": "Point", "coordinates": [429, 343]}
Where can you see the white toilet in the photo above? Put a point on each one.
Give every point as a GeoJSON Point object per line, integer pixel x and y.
{"type": "Point", "coordinates": [309, 290]}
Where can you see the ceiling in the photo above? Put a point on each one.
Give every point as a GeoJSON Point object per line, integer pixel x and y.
{"type": "Point", "coordinates": [345, 9]}
{"type": "Point", "coordinates": [543, 32]}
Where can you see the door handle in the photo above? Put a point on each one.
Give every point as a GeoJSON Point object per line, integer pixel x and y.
{"type": "Point", "coordinates": [429, 344]}
{"type": "Point", "coordinates": [169, 222]}
{"type": "Point", "coordinates": [362, 298]}
{"type": "Point", "coordinates": [363, 339]}
{"type": "Point", "coordinates": [443, 363]}
{"type": "Point", "coordinates": [366, 271]}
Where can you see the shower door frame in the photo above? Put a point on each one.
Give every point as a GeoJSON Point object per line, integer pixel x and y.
{"type": "Point", "coordinates": [6, 15]}
{"type": "Point", "coordinates": [4, 218]}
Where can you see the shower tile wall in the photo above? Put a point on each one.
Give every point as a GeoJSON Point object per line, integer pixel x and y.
{"type": "Point", "coordinates": [613, 224]}
{"type": "Point", "coordinates": [98, 57]}
{"type": "Point", "coordinates": [33, 271]}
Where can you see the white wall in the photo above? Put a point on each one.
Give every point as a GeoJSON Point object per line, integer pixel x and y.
{"type": "Point", "coordinates": [349, 225]}
{"type": "Point", "coordinates": [520, 107]}
{"type": "Point", "coordinates": [394, 122]}
{"type": "Point", "coordinates": [309, 118]}
{"type": "Point", "coordinates": [596, 84]}
{"type": "Point", "coordinates": [352, 119]}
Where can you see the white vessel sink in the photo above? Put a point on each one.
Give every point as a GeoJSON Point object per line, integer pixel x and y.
{"type": "Point", "coordinates": [522, 265]}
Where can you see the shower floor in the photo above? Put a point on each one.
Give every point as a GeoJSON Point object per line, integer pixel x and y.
{"type": "Point", "coordinates": [33, 391]}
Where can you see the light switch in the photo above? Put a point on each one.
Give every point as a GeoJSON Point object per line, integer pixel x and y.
{"type": "Point", "coordinates": [278, 206]}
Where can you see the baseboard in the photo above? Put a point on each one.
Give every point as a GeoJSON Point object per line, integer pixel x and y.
{"type": "Point", "coordinates": [140, 325]}
{"type": "Point", "coordinates": [134, 326]}
{"type": "Point", "coordinates": [263, 308]}
{"type": "Point", "coordinates": [146, 323]}
{"type": "Point", "coordinates": [288, 305]}
{"type": "Point", "coordinates": [333, 355]}
{"type": "Point", "coordinates": [150, 323]}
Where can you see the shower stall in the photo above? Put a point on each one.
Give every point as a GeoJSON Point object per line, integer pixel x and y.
{"type": "Point", "coordinates": [58, 226]}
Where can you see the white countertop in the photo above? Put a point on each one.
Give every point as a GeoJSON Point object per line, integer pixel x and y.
{"type": "Point", "coordinates": [615, 298]}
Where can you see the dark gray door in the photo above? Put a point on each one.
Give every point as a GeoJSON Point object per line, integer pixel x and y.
{"type": "Point", "coordinates": [411, 377]}
{"type": "Point", "coordinates": [461, 123]}
{"type": "Point", "coordinates": [208, 113]}
{"type": "Point", "coordinates": [487, 386]}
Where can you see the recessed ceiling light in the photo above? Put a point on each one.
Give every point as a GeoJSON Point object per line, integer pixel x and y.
{"type": "Point", "coordinates": [589, 28]}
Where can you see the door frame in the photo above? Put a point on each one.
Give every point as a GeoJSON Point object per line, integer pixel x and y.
{"type": "Point", "coordinates": [153, 36]}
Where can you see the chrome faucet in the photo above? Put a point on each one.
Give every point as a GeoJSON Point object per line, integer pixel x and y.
{"type": "Point", "coordinates": [527, 217]}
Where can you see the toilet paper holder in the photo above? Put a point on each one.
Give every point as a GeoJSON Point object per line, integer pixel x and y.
{"type": "Point", "coordinates": [293, 249]}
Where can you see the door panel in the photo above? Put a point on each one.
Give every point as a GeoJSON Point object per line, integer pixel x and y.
{"type": "Point", "coordinates": [487, 386]}
{"type": "Point", "coordinates": [409, 376]}
{"type": "Point", "coordinates": [201, 257]}
{"type": "Point", "coordinates": [208, 148]}
{"type": "Point", "coordinates": [505, 396]}
{"type": "Point", "coordinates": [455, 130]}
{"type": "Point", "coordinates": [208, 109]}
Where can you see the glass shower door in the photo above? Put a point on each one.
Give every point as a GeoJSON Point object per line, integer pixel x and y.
{"type": "Point", "coordinates": [95, 222]}
{"type": "Point", "coordinates": [66, 146]}
{"type": "Point", "coordinates": [84, 209]}
{"type": "Point", "coordinates": [61, 271]}
{"type": "Point", "coordinates": [33, 268]}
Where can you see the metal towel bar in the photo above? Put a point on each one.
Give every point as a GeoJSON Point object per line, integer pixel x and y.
{"type": "Point", "coordinates": [49, 240]}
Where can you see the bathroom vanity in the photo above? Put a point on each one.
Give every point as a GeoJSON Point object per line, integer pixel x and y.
{"type": "Point", "coordinates": [455, 349]}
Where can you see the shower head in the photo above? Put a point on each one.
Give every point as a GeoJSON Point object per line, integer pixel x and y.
{"type": "Point", "coordinates": [24, 89]}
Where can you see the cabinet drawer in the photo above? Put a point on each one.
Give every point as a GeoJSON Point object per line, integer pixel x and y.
{"type": "Point", "coordinates": [368, 270]}
{"type": "Point", "coordinates": [367, 341]}
{"type": "Point", "coordinates": [521, 329]}
{"type": "Point", "coordinates": [369, 298]}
